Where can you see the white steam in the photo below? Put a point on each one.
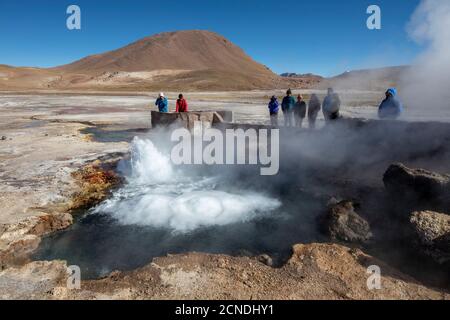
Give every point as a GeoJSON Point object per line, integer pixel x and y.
{"type": "Point", "coordinates": [148, 165]}
{"type": "Point", "coordinates": [427, 84]}
{"type": "Point", "coordinates": [158, 195]}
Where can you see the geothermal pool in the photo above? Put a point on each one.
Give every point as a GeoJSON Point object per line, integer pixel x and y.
{"type": "Point", "coordinates": [163, 209]}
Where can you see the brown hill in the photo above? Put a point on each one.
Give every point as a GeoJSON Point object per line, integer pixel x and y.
{"type": "Point", "coordinates": [183, 60]}
{"type": "Point", "coordinates": [183, 50]}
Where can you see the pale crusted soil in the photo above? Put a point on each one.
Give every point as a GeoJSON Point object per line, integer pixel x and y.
{"type": "Point", "coordinates": [38, 159]}
{"type": "Point", "coordinates": [315, 271]}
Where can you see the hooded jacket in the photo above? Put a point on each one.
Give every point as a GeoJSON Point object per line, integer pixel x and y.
{"type": "Point", "coordinates": [182, 105]}
{"type": "Point", "coordinates": [163, 104]}
{"type": "Point", "coordinates": [274, 106]}
{"type": "Point", "coordinates": [390, 107]}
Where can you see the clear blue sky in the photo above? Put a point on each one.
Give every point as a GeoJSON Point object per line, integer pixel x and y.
{"type": "Point", "coordinates": [325, 37]}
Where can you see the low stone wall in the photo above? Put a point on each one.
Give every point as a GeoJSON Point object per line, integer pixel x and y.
{"type": "Point", "coordinates": [187, 119]}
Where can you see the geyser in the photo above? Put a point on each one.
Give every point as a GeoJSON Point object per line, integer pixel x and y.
{"type": "Point", "coordinates": [157, 195]}
{"type": "Point", "coordinates": [234, 210]}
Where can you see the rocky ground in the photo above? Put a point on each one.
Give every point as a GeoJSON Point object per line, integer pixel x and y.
{"type": "Point", "coordinates": [315, 271]}
{"type": "Point", "coordinates": [51, 165]}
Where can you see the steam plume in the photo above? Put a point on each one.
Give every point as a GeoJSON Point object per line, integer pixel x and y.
{"type": "Point", "coordinates": [427, 83]}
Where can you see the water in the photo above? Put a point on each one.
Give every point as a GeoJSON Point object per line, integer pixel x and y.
{"type": "Point", "coordinates": [162, 209]}
{"type": "Point", "coordinates": [233, 210]}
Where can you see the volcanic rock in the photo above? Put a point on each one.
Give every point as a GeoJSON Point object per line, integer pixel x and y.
{"type": "Point", "coordinates": [433, 231]}
{"type": "Point", "coordinates": [343, 223]}
{"type": "Point", "coordinates": [314, 271]}
{"type": "Point", "coordinates": [96, 181]}
{"type": "Point", "coordinates": [266, 259]}
{"type": "Point", "coordinates": [419, 184]}
{"type": "Point", "coordinates": [18, 241]}
{"type": "Point", "coordinates": [36, 280]}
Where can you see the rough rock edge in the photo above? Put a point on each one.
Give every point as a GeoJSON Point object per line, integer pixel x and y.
{"type": "Point", "coordinates": [95, 182]}
{"type": "Point", "coordinates": [314, 271]}
{"type": "Point", "coordinates": [342, 223]}
{"type": "Point", "coordinates": [433, 231]}
{"type": "Point", "coordinates": [419, 183]}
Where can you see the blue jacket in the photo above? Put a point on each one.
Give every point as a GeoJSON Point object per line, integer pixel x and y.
{"type": "Point", "coordinates": [163, 104]}
{"type": "Point", "coordinates": [390, 108]}
{"type": "Point", "coordinates": [274, 106]}
{"type": "Point", "coordinates": [288, 104]}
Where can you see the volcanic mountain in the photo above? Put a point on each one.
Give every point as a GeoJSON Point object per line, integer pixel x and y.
{"type": "Point", "coordinates": [183, 60]}
{"type": "Point", "coordinates": [191, 50]}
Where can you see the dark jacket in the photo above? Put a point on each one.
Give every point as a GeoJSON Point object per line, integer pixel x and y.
{"type": "Point", "coordinates": [300, 109]}
{"type": "Point", "coordinates": [288, 104]}
{"type": "Point", "coordinates": [313, 107]}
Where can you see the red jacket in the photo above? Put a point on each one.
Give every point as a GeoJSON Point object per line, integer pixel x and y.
{"type": "Point", "coordinates": [182, 105]}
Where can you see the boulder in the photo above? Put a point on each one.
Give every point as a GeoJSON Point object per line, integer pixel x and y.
{"type": "Point", "coordinates": [418, 183]}
{"type": "Point", "coordinates": [344, 224]}
{"type": "Point", "coordinates": [433, 231]}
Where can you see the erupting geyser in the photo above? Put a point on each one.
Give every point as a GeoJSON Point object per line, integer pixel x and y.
{"type": "Point", "coordinates": [158, 195]}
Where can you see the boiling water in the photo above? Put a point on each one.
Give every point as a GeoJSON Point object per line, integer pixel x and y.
{"type": "Point", "coordinates": [164, 209]}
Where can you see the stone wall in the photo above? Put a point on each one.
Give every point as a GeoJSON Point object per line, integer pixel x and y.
{"type": "Point", "coordinates": [187, 119]}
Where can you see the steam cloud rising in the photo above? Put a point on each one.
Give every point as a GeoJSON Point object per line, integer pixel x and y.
{"type": "Point", "coordinates": [157, 195]}
{"type": "Point", "coordinates": [427, 83]}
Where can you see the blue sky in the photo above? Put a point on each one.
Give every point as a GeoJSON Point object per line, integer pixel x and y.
{"type": "Point", "coordinates": [326, 37]}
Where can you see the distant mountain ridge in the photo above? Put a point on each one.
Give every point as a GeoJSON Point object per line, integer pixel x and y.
{"type": "Point", "coordinates": [369, 79]}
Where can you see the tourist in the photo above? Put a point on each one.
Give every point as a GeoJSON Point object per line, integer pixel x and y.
{"type": "Point", "coordinates": [288, 107]}
{"type": "Point", "coordinates": [274, 107]}
{"type": "Point", "coordinates": [182, 105]}
{"type": "Point", "coordinates": [162, 103]}
{"type": "Point", "coordinates": [313, 110]}
{"type": "Point", "coordinates": [299, 111]}
{"type": "Point", "coordinates": [390, 107]}
{"type": "Point", "coordinates": [331, 105]}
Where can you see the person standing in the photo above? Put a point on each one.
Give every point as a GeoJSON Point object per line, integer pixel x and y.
{"type": "Point", "coordinates": [288, 107]}
{"type": "Point", "coordinates": [331, 105]}
{"type": "Point", "coordinates": [299, 111]}
{"type": "Point", "coordinates": [274, 107]}
{"type": "Point", "coordinates": [313, 110]}
{"type": "Point", "coordinates": [182, 105]}
{"type": "Point", "coordinates": [390, 107]}
{"type": "Point", "coordinates": [162, 103]}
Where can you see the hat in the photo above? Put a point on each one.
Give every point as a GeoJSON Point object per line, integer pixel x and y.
{"type": "Point", "coordinates": [392, 91]}
{"type": "Point", "coordinates": [161, 94]}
